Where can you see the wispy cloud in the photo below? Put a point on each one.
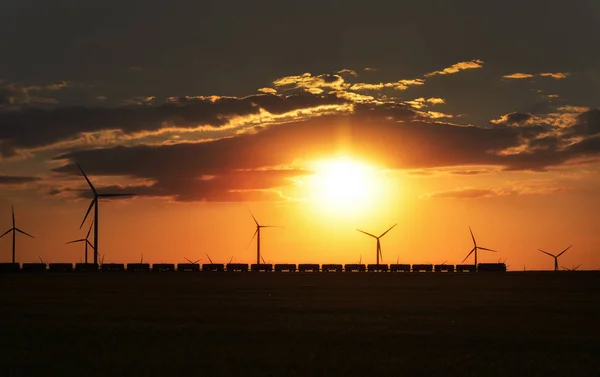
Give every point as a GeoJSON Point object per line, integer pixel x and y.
{"type": "Point", "coordinates": [461, 66]}
{"type": "Point", "coordinates": [520, 75]}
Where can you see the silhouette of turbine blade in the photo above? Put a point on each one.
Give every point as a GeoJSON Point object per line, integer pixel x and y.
{"type": "Point", "coordinates": [473, 237]}
{"type": "Point", "coordinates": [562, 252]}
{"type": "Point", "coordinates": [23, 232]}
{"type": "Point", "coordinates": [575, 268]}
{"type": "Point", "coordinates": [271, 226]}
{"type": "Point", "coordinates": [486, 249]}
{"type": "Point", "coordinates": [5, 233]}
{"type": "Point", "coordinates": [113, 195]}
{"type": "Point", "coordinates": [368, 234]}
{"type": "Point", "coordinates": [545, 252]}
{"type": "Point", "coordinates": [90, 244]}
{"type": "Point", "coordinates": [253, 218]}
{"type": "Point", "coordinates": [87, 179]}
{"type": "Point", "coordinates": [189, 261]}
{"type": "Point", "coordinates": [88, 211]}
{"type": "Point", "coordinates": [13, 215]}
{"type": "Point", "coordinates": [89, 230]}
{"type": "Point", "coordinates": [209, 258]}
{"type": "Point", "coordinates": [468, 255]}
{"type": "Point", "coordinates": [384, 233]}
{"type": "Point", "coordinates": [79, 240]}
{"type": "Point", "coordinates": [251, 239]}
{"type": "Point", "coordinates": [263, 259]}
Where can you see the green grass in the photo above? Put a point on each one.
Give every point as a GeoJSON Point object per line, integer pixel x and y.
{"type": "Point", "coordinates": [533, 324]}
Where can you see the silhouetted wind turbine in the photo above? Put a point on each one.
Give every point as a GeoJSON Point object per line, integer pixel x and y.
{"type": "Point", "coordinates": [94, 203]}
{"type": "Point", "coordinates": [555, 256]}
{"type": "Point", "coordinates": [189, 261]}
{"type": "Point", "coordinates": [210, 260]}
{"type": "Point", "coordinates": [14, 231]}
{"type": "Point", "coordinates": [86, 241]}
{"type": "Point", "coordinates": [378, 252]}
{"type": "Point", "coordinates": [475, 248]}
{"type": "Point", "coordinates": [257, 235]}
{"type": "Point", "coordinates": [574, 268]}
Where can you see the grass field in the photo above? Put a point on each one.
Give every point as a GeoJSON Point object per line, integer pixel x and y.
{"type": "Point", "coordinates": [512, 324]}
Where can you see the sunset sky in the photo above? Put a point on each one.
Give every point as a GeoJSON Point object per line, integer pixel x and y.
{"type": "Point", "coordinates": [319, 116]}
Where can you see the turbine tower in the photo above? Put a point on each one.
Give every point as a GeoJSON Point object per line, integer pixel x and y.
{"type": "Point", "coordinates": [555, 256]}
{"type": "Point", "coordinates": [257, 235]}
{"type": "Point", "coordinates": [14, 231]}
{"type": "Point", "coordinates": [94, 203]}
{"type": "Point", "coordinates": [378, 251]}
{"type": "Point", "coordinates": [86, 242]}
{"type": "Point", "coordinates": [475, 248]}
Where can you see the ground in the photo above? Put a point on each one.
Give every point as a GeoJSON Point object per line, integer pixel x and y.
{"type": "Point", "coordinates": [369, 324]}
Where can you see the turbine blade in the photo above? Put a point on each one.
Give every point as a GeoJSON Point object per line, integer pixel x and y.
{"type": "Point", "coordinates": [90, 244]}
{"type": "Point", "coordinates": [368, 234]}
{"type": "Point", "coordinates": [472, 236]}
{"type": "Point", "coordinates": [484, 248]}
{"type": "Point", "coordinates": [384, 233]}
{"type": "Point", "coordinates": [88, 211]}
{"type": "Point", "coordinates": [545, 252]}
{"type": "Point", "coordinates": [575, 268]}
{"type": "Point", "coordinates": [209, 258]}
{"type": "Point", "coordinates": [23, 232]}
{"type": "Point", "coordinates": [87, 179]}
{"type": "Point", "coordinates": [114, 195]}
{"type": "Point", "coordinates": [189, 261]}
{"type": "Point", "coordinates": [230, 259]}
{"type": "Point", "coordinates": [562, 252]}
{"type": "Point", "coordinates": [197, 261]}
{"type": "Point", "coordinates": [253, 218]}
{"type": "Point", "coordinates": [81, 240]}
{"type": "Point", "coordinates": [263, 259]}
{"type": "Point", "coordinates": [89, 230]}
{"type": "Point", "coordinates": [271, 226]}
{"type": "Point", "coordinates": [251, 239]}
{"type": "Point", "coordinates": [468, 255]}
{"type": "Point", "coordinates": [13, 215]}
{"type": "Point", "coordinates": [5, 233]}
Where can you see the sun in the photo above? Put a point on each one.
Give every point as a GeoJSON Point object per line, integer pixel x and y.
{"type": "Point", "coordinates": [343, 184]}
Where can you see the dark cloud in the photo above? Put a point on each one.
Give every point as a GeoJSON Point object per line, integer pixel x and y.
{"type": "Point", "coordinates": [14, 180]}
{"type": "Point", "coordinates": [513, 119]}
{"type": "Point", "coordinates": [390, 135]}
{"type": "Point", "coordinates": [34, 127]}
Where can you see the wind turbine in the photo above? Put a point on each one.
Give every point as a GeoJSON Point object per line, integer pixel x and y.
{"type": "Point", "coordinates": [210, 260]}
{"type": "Point", "coordinates": [194, 262]}
{"type": "Point", "coordinates": [574, 268]}
{"type": "Point", "coordinates": [257, 235]}
{"type": "Point", "coordinates": [94, 203]}
{"type": "Point", "coordinates": [14, 231]}
{"type": "Point", "coordinates": [555, 256]}
{"type": "Point", "coordinates": [475, 248]}
{"type": "Point", "coordinates": [378, 252]}
{"type": "Point", "coordinates": [86, 242]}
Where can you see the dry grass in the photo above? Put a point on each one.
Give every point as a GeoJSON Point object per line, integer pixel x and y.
{"type": "Point", "coordinates": [534, 324]}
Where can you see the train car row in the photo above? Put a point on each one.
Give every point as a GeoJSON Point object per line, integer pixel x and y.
{"type": "Point", "coordinates": [242, 267]}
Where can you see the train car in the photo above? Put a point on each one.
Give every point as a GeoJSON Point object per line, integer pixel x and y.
{"type": "Point", "coordinates": [443, 268]}
{"type": "Point", "coordinates": [465, 268]}
{"type": "Point", "coordinates": [426, 267]}
{"type": "Point", "coordinates": [491, 267]}
{"type": "Point", "coordinates": [86, 267]}
{"type": "Point", "coordinates": [285, 267]}
{"type": "Point", "coordinates": [237, 267]}
{"type": "Point", "coordinates": [355, 267]}
{"type": "Point", "coordinates": [138, 267]}
{"type": "Point", "coordinates": [34, 267]}
{"type": "Point", "coordinates": [163, 267]}
{"type": "Point", "coordinates": [377, 268]}
{"type": "Point", "coordinates": [10, 267]}
{"type": "Point", "coordinates": [399, 267]}
{"type": "Point", "coordinates": [60, 267]}
{"type": "Point", "coordinates": [213, 267]}
{"type": "Point", "coordinates": [332, 268]}
{"type": "Point", "coordinates": [188, 267]}
{"type": "Point", "coordinates": [262, 267]}
{"type": "Point", "coordinates": [308, 267]}
{"type": "Point", "coordinates": [112, 267]}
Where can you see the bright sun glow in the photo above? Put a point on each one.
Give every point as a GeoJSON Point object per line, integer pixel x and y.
{"type": "Point", "coordinates": [343, 184]}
